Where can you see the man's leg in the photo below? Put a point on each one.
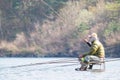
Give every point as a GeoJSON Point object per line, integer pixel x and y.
{"type": "Point", "coordinates": [91, 58]}
{"type": "Point", "coordinates": [83, 66]}
{"type": "Point", "coordinates": [90, 66]}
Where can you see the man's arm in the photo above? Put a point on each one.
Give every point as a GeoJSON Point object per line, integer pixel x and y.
{"type": "Point", "coordinates": [88, 43]}
{"type": "Point", "coordinates": [93, 49]}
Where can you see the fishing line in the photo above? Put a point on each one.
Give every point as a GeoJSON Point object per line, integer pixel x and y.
{"type": "Point", "coordinates": [45, 68]}
{"type": "Point", "coordinates": [44, 2]}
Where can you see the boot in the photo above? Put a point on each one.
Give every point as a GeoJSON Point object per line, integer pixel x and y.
{"type": "Point", "coordinates": [83, 68]}
{"type": "Point", "coordinates": [90, 66]}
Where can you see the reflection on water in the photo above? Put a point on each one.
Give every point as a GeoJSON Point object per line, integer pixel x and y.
{"type": "Point", "coordinates": [54, 69]}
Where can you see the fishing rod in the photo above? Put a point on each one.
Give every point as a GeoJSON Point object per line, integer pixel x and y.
{"type": "Point", "coordinates": [40, 64]}
{"type": "Point", "coordinates": [46, 68]}
{"type": "Point", "coordinates": [74, 63]}
{"type": "Point", "coordinates": [48, 62]}
{"type": "Point", "coordinates": [71, 61]}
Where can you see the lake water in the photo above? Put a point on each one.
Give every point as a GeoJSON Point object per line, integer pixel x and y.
{"type": "Point", "coordinates": [53, 69]}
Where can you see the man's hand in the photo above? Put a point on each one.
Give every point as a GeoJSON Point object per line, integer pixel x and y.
{"type": "Point", "coordinates": [85, 40]}
{"type": "Point", "coordinates": [80, 56]}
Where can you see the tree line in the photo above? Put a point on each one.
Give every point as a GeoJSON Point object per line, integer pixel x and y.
{"type": "Point", "coordinates": [44, 28]}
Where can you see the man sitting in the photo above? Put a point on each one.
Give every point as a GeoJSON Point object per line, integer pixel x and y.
{"type": "Point", "coordinates": [96, 53]}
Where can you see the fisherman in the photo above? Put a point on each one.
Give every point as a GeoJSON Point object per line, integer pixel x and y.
{"type": "Point", "coordinates": [96, 53]}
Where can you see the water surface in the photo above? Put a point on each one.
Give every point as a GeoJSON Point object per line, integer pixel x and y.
{"type": "Point", "coordinates": [64, 70]}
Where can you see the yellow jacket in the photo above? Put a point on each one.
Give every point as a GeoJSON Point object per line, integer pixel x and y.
{"type": "Point", "coordinates": [97, 49]}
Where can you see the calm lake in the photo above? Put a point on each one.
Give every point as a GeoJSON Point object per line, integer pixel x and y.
{"type": "Point", "coordinates": [54, 69]}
